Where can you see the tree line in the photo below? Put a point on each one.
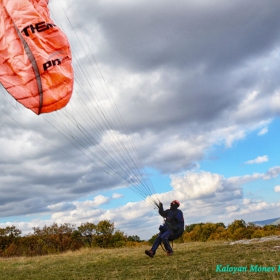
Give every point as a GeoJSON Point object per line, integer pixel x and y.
{"type": "Point", "coordinates": [61, 238]}
{"type": "Point", "coordinates": [237, 230]}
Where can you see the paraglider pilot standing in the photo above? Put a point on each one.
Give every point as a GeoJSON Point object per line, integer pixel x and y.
{"type": "Point", "coordinates": [172, 228]}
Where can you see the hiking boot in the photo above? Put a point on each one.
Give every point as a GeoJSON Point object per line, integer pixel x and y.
{"type": "Point", "coordinates": [150, 253]}
{"type": "Point", "coordinates": [169, 253]}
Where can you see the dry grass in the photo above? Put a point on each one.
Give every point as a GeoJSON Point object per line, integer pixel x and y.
{"type": "Point", "coordinates": [190, 261]}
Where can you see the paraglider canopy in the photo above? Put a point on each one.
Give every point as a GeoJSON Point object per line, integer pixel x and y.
{"type": "Point", "coordinates": [35, 56]}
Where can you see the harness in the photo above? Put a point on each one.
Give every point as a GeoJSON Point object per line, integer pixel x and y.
{"type": "Point", "coordinates": [172, 219]}
{"type": "Point", "coordinates": [170, 225]}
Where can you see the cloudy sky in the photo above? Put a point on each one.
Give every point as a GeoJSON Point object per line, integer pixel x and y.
{"type": "Point", "coordinates": [187, 89]}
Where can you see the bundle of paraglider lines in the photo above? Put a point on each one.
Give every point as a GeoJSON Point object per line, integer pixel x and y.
{"type": "Point", "coordinates": [36, 68]}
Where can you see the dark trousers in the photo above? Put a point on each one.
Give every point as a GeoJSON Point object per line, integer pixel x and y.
{"type": "Point", "coordinates": [162, 238]}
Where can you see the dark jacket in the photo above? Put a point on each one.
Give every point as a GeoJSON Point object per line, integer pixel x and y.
{"type": "Point", "coordinates": [174, 221]}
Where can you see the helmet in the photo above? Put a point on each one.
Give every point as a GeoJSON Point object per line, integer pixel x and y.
{"type": "Point", "coordinates": [176, 202]}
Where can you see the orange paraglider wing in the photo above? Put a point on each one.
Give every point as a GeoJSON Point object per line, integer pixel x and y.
{"type": "Point", "coordinates": [35, 56]}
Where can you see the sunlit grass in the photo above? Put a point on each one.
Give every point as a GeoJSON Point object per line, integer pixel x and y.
{"type": "Point", "coordinates": [194, 260]}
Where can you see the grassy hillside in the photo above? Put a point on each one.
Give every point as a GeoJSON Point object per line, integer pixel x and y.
{"type": "Point", "coordinates": [194, 260]}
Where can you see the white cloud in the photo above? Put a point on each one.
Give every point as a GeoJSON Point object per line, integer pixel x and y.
{"type": "Point", "coordinates": [259, 159]}
{"type": "Point", "coordinates": [117, 195]}
{"type": "Point", "coordinates": [273, 172]}
{"type": "Point", "coordinates": [246, 201]}
{"type": "Point", "coordinates": [232, 208]}
{"type": "Point", "coordinates": [62, 206]}
{"type": "Point", "coordinates": [255, 207]}
{"type": "Point", "coordinates": [277, 188]}
{"type": "Point", "coordinates": [97, 201]}
{"type": "Point", "coordinates": [263, 131]}
{"type": "Point", "coordinates": [196, 185]}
